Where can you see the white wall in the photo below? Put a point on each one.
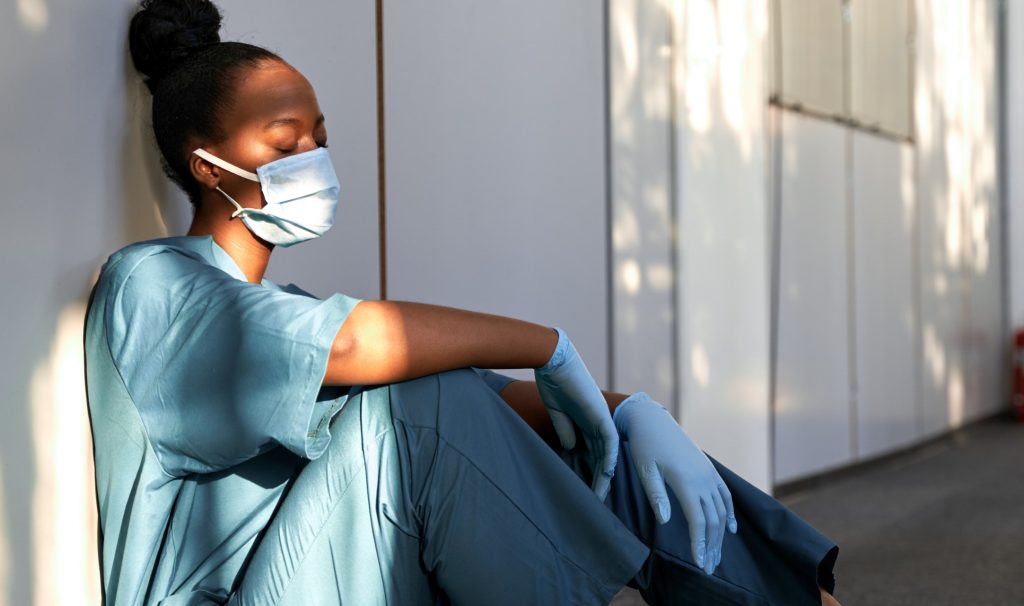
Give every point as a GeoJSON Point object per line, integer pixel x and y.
{"type": "Point", "coordinates": [495, 171]}
{"type": "Point", "coordinates": [690, 219]}
{"type": "Point", "coordinates": [890, 296]}
{"type": "Point", "coordinates": [812, 397]}
{"type": "Point", "coordinates": [887, 409]}
{"type": "Point", "coordinates": [963, 342]}
{"type": "Point", "coordinates": [724, 220]}
{"type": "Point", "coordinates": [643, 210]}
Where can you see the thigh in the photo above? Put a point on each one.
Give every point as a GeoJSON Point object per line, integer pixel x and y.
{"type": "Point", "coordinates": [330, 541]}
{"type": "Point", "coordinates": [434, 489]}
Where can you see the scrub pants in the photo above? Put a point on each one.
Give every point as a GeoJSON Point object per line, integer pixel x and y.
{"type": "Point", "coordinates": [434, 491]}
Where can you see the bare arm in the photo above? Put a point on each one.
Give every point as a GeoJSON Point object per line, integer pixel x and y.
{"type": "Point", "coordinates": [523, 397]}
{"type": "Point", "coordinates": [389, 341]}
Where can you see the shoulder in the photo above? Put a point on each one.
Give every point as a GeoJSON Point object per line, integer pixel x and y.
{"type": "Point", "coordinates": [144, 281]}
{"type": "Point", "coordinates": [166, 251]}
{"type": "Point", "coordinates": [152, 264]}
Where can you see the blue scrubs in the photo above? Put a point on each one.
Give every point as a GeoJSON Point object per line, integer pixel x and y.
{"type": "Point", "coordinates": [226, 474]}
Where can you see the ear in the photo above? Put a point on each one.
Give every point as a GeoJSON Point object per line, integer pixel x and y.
{"type": "Point", "coordinates": [204, 172]}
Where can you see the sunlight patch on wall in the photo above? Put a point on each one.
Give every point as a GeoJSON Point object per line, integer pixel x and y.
{"type": "Point", "coordinates": [64, 518]}
{"type": "Point", "coordinates": [33, 15]}
{"type": "Point", "coordinates": [701, 49]}
{"type": "Point", "coordinates": [956, 398]}
{"type": "Point", "coordinates": [700, 368]}
{"type": "Point", "coordinates": [630, 276]}
{"type": "Point", "coordinates": [734, 51]}
{"type": "Point", "coordinates": [934, 355]}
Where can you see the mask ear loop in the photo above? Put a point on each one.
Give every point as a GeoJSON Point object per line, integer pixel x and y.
{"type": "Point", "coordinates": [205, 155]}
{"type": "Point", "coordinates": [240, 208]}
{"type": "Point", "coordinates": [202, 153]}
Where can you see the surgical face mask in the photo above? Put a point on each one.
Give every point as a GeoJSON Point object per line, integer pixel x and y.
{"type": "Point", "coordinates": [301, 191]}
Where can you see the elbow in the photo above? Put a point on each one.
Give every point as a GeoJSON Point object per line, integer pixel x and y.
{"type": "Point", "coordinates": [343, 350]}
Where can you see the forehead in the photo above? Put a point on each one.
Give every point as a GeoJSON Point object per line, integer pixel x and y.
{"type": "Point", "coordinates": [268, 92]}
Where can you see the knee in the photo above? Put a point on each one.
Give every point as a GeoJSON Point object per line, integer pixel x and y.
{"type": "Point", "coordinates": [425, 400]}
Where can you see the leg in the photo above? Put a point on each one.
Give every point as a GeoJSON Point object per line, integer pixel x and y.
{"type": "Point", "coordinates": [775, 558]}
{"type": "Point", "coordinates": [326, 544]}
{"type": "Point", "coordinates": [434, 489]}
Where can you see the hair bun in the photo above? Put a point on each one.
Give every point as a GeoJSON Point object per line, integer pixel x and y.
{"type": "Point", "coordinates": [164, 32]}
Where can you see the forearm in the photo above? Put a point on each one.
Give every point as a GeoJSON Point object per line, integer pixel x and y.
{"type": "Point", "coordinates": [389, 341]}
{"type": "Point", "coordinates": [523, 397]}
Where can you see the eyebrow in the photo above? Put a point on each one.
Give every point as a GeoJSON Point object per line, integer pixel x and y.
{"type": "Point", "coordinates": [290, 120]}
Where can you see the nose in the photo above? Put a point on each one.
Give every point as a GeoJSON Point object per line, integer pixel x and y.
{"type": "Point", "coordinates": [306, 144]}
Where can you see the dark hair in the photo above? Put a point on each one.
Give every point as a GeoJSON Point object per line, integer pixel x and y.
{"type": "Point", "coordinates": [191, 74]}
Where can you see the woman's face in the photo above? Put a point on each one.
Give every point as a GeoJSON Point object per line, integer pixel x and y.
{"type": "Point", "coordinates": [274, 114]}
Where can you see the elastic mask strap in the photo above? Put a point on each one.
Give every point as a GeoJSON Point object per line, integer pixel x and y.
{"type": "Point", "coordinates": [237, 205]}
{"type": "Point", "coordinates": [205, 155]}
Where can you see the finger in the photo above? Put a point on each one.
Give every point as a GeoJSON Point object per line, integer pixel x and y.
{"type": "Point", "coordinates": [607, 450]}
{"type": "Point", "coordinates": [720, 508]}
{"type": "Point", "coordinates": [601, 483]}
{"type": "Point", "coordinates": [564, 428]}
{"type": "Point", "coordinates": [712, 527]}
{"type": "Point", "coordinates": [599, 478]}
{"type": "Point", "coordinates": [654, 486]}
{"type": "Point", "coordinates": [695, 521]}
{"type": "Point", "coordinates": [730, 510]}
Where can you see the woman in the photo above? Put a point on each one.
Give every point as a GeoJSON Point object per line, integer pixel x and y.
{"type": "Point", "coordinates": [257, 445]}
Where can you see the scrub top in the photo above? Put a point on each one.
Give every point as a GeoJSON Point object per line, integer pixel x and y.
{"type": "Point", "coordinates": [205, 400]}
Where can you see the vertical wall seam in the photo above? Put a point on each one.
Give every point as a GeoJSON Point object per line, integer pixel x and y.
{"type": "Point", "coordinates": [775, 174]}
{"type": "Point", "coordinates": [775, 116]}
{"type": "Point", "coordinates": [851, 262]}
{"type": "Point", "coordinates": [1005, 337]}
{"type": "Point", "coordinates": [851, 299]}
{"type": "Point", "coordinates": [609, 256]}
{"type": "Point", "coordinates": [381, 173]}
{"type": "Point", "coordinates": [675, 300]}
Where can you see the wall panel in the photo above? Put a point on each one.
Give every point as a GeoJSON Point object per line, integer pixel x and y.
{"type": "Point", "coordinates": [495, 146]}
{"type": "Point", "coordinates": [812, 401]}
{"type": "Point", "coordinates": [642, 213]}
{"type": "Point", "coordinates": [884, 312]}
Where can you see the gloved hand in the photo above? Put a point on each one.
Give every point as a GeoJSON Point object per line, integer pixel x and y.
{"type": "Point", "coordinates": [662, 452]}
{"type": "Point", "coordinates": [572, 397]}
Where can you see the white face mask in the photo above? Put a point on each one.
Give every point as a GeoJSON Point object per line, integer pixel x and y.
{"type": "Point", "coordinates": [301, 191]}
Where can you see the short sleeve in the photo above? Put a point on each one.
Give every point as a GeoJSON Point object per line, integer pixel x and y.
{"type": "Point", "coordinates": [496, 381]}
{"type": "Point", "coordinates": [221, 369]}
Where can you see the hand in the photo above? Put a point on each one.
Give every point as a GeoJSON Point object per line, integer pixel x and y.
{"type": "Point", "coordinates": [661, 451]}
{"type": "Point", "coordinates": [572, 397]}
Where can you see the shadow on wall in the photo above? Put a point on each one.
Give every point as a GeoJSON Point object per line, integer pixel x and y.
{"type": "Point", "coordinates": [642, 218]}
{"type": "Point", "coordinates": [690, 216]}
{"type": "Point", "coordinates": [152, 205]}
{"type": "Point", "coordinates": [960, 293]}
{"type": "Point", "coordinates": [723, 217]}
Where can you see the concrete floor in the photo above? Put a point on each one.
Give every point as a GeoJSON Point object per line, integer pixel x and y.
{"type": "Point", "coordinates": [943, 524]}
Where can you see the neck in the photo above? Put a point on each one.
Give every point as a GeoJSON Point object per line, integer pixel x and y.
{"type": "Point", "coordinates": [250, 253]}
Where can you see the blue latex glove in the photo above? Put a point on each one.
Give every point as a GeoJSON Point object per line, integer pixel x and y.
{"type": "Point", "coordinates": [573, 398]}
{"type": "Point", "coordinates": [663, 453]}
